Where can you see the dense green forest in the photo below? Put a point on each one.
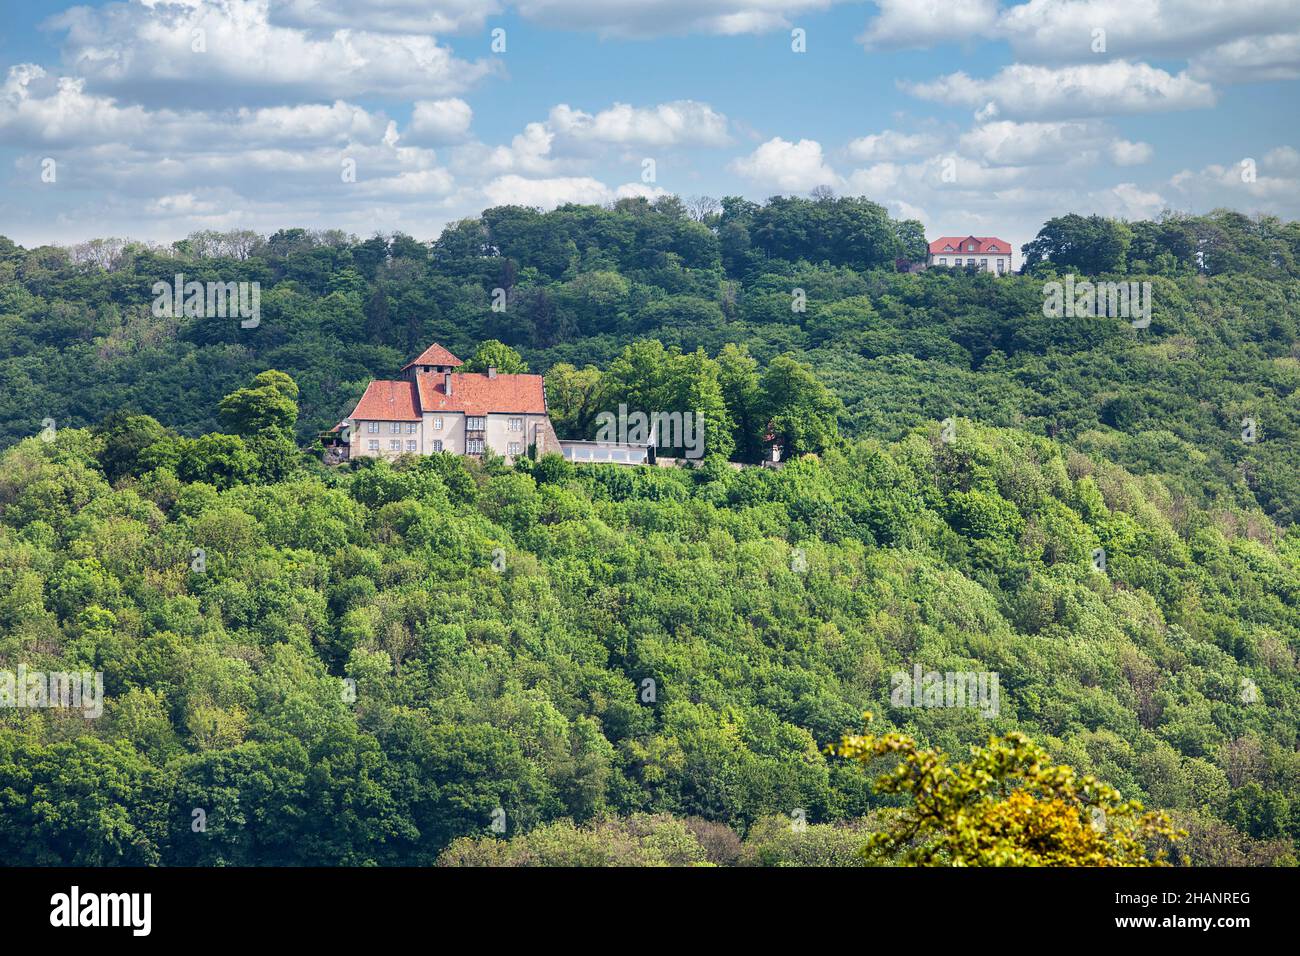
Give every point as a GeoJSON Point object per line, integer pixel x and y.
{"type": "Point", "coordinates": [440, 660]}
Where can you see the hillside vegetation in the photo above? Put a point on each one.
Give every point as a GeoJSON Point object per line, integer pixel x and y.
{"type": "Point", "coordinates": [389, 663]}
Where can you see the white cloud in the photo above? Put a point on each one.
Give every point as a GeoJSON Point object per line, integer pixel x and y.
{"type": "Point", "coordinates": [1005, 142]}
{"type": "Point", "coordinates": [36, 108]}
{"type": "Point", "coordinates": [206, 50]}
{"type": "Point", "coordinates": [1284, 159]}
{"type": "Point", "coordinates": [396, 16]}
{"type": "Point", "coordinates": [923, 23]}
{"type": "Point", "coordinates": [1236, 185]}
{"type": "Point", "coordinates": [1126, 153]}
{"type": "Point", "coordinates": [786, 166]}
{"type": "Point", "coordinates": [570, 138]}
{"type": "Point", "coordinates": [528, 152]}
{"type": "Point", "coordinates": [644, 18]}
{"type": "Point", "coordinates": [440, 121]}
{"type": "Point", "coordinates": [891, 144]}
{"type": "Point", "coordinates": [875, 181]}
{"type": "Point", "coordinates": [1127, 201]}
{"type": "Point", "coordinates": [423, 182]}
{"type": "Point", "coordinates": [1023, 90]}
{"type": "Point", "coordinates": [512, 190]}
{"type": "Point", "coordinates": [668, 124]}
{"type": "Point", "coordinates": [1252, 59]}
{"type": "Point", "coordinates": [1067, 142]}
{"type": "Point", "coordinates": [1063, 29]}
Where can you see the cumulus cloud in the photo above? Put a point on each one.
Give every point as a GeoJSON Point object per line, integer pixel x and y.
{"type": "Point", "coordinates": [1024, 90]}
{"type": "Point", "coordinates": [1284, 159]}
{"type": "Point", "coordinates": [891, 144]}
{"type": "Point", "coordinates": [36, 108]}
{"type": "Point", "coordinates": [208, 50]}
{"type": "Point", "coordinates": [396, 16]}
{"type": "Point", "coordinates": [547, 193]}
{"type": "Point", "coordinates": [682, 122]}
{"type": "Point", "coordinates": [1064, 29]}
{"type": "Point", "coordinates": [1126, 153]}
{"type": "Point", "coordinates": [440, 121]}
{"type": "Point", "coordinates": [645, 18]}
{"type": "Point", "coordinates": [786, 166]}
{"type": "Point", "coordinates": [1252, 59]}
{"type": "Point", "coordinates": [1005, 142]}
{"type": "Point", "coordinates": [1128, 201]}
{"type": "Point", "coordinates": [1245, 184]}
{"type": "Point", "coordinates": [922, 23]}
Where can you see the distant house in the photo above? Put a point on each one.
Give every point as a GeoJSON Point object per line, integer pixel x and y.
{"type": "Point", "coordinates": [987, 253]}
{"type": "Point", "coordinates": [437, 409]}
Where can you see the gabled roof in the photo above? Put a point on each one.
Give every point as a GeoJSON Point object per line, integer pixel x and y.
{"type": "Point", "coordinates": [475, 394]}
{"type": "Point", "coordinates": [388, 402]}
{"type": "Point", "coordinates": [983, 244]}
{"type": "Point", "coordinates": [435, 354]}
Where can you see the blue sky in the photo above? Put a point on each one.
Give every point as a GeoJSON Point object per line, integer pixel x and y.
{"type": "Point", "coordinates": [153, 119]}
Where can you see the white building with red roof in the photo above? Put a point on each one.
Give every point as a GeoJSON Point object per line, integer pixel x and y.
{"type": "Point", "coordinates": [986, 253]}
{"type": "Point", "coordinates": [437, 409]}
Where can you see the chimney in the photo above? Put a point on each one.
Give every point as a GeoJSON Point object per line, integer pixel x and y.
{"type": "Point", "coordinates": [446, 386]}
{"type": "Point", "coordinates": [492, 371]}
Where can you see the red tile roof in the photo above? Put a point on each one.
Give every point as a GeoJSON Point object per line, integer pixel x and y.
{"type": "Point", "coordinates": [475, 394]}
{"type": "Point", "coordinates": [983, 244]}
{"type": "Point", "coordinates": [435, 354]}
{"type": "Point", "coordinates": [388, 402]}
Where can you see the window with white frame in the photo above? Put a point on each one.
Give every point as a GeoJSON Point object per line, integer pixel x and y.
{"type": "Point", "coordinates": [395, 445]}
{"type": "Point", "coordinates": [437, 444]}
{"type": "Point", "coordinates": [474, 446]}
{"type": "Point", "coordinates": [984, 264]}
{"type": "Point", "coordinates": [374, 444]}
{"type": "Point", "coordinates": [514, 448]}
{"type": "Point", "coordinates": [394, 428]}
{"type": "Point", "coordinates": [412, 427]}
{"type": "Point", "coordinates": [437, 423]}
{"type": "Point", "coordinates": [372, 427]}
{"type": "Point", "coordinates": [475, 423]}
{"type": "Point", "coordinates": [515, 425]}
{"type": "Point", "coordinates": [943, 260]}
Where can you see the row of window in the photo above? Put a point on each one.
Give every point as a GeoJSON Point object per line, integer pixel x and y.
{"type": "Point", "coordinates": [474, 423]}
{"type": "Point", "coordinates": [396, 445]}
{"type": "Point", "coordinates": [394, 428]}
{"type": "Point", "coordinates": [983, 263]}
{"type": "Point", "coordinates": [474, 446]}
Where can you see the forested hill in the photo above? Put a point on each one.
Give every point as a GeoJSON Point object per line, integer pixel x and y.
{"type": "Point", "coordinates": [439, 659]}
{"type": "Point", "coordinates": [78, 339]}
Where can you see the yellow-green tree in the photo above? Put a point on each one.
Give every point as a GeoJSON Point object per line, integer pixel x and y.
{"type": "Point", "coordinates": [1008, 805]}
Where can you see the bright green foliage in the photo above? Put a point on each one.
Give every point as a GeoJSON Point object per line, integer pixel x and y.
{"type": "Point", "coordinates": [269, 404]}
{"type": "Point", "coordinates": [494, 354]}
{"type": "Point", "coordinates": [798, 407]}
